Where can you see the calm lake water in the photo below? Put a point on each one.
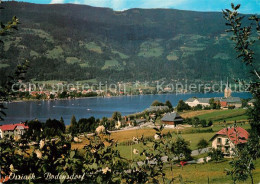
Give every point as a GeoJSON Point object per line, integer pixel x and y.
{"type": "Point", "coordinates": [97, 107]}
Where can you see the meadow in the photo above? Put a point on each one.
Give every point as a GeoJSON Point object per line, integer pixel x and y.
{"type": "Point", "coordinates": [218, 115]}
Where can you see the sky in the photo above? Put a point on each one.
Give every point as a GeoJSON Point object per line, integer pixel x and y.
{"type": "Point", "coordinates": [247, 6]}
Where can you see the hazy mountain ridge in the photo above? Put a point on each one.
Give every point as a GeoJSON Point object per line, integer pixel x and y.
{"type": "Point", "coordinates": [77, 42]}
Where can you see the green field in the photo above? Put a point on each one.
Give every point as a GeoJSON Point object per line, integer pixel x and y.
{"type": "Point", "coordinates": [212, 172]}
{"type": "Point", "coordinates": [193, 139]}
{"type": "Point", "coordinates": [92, 46]}
{"type": "Point", "coordinates": [173, 56]}
{"type": "Point", "coordinates": [121, 55]}
{"type": "Point", "coordinates": [55, 53]}
{"type": "Point", "coordinates": [84, 65]}
{"type": "Point", "coordinates": [41, 33]}
{"type": "Point", "coordinates": [110, 63]}
{"type": "Point", "coordinates": [150, 49]}
{"type": "Point", "coordinates": [228, 115]}
{"type": "Point", "coordinates": [72, 60]}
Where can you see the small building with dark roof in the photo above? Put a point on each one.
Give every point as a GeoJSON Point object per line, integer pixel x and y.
{"type": "Point", "coordinates": [172, 118]}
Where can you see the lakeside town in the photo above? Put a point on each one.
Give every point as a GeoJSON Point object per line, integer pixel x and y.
{"type": "Point", "coordinates": [54, 90]}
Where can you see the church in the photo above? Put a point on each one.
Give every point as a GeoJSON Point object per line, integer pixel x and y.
{"type": "Point", "coordinates": [225, 102]}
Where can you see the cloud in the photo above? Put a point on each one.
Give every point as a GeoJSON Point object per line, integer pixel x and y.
{"type": "Point", "coordinates": [161, 4]}
{"type": "Point", "coordinates": [57, 1]}
{"type": "Point", "coordinates": [196, 5]}
{"type": "Point", "coordinates": [127, 4]}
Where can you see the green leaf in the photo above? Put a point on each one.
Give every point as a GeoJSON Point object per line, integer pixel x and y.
{"type": "Point", "coordinates": [72, 154]}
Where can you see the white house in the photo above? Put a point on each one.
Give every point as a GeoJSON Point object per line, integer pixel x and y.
{"type": "Point", "coordinates": [228, 138]}
{"type": "Point", "coordinates": [6, 131]}
{"type": "Point", "coordinates": [196, 101]}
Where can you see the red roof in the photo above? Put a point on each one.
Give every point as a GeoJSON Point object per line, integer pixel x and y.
{"type": "Point", "coordinates": [12, 126]}
{"type": "Point", "coordinates": [223, 104]}
{"type": "Point", "coordinates": [237, 135]}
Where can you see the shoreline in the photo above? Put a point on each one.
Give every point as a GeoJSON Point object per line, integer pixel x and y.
{"type": "Point", "coordinates": [80, 98]}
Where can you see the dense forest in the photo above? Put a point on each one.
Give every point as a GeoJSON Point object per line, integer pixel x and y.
{"type": "Point", "coordinates": [76, 42]}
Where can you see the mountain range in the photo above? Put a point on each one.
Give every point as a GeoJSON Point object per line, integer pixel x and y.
{"type": "Point", "coordinates": [69, 42]}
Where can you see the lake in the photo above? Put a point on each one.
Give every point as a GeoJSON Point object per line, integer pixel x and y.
{"type": "Point", "coordinates": [97, 107]}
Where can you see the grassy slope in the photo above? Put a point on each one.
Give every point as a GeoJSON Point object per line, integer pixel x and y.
{"type": "Point", "coordinates": [200, 173]}
{"type": "Point", "coordinates": [217, 115]}
{"type": "Point", "coordinates": [235, 114]}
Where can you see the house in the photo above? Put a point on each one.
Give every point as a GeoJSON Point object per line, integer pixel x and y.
{"type": "Point", "coordinates": [6, 131]}
{"type": "Point", "coordinates": [224, 102]}
{"type": "Point", "coordinates": [192, 102]}
{"type": "Point", "coordinates": [227, 138]}
{"type": "Point", "coordinates": [172, 118]}
{"type": "Point", "coordinates": [140, 121]}
{"type": "Point", "coordinates": [230, 101]}
{"type": "Point", "coordinates": [251, 102]}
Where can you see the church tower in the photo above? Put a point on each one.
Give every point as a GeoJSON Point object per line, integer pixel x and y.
{"type": "Point", "coordinates": [227, 91]}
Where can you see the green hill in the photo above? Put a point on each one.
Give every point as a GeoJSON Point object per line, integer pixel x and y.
{"type": "Point", "coordinates": [78, 42]}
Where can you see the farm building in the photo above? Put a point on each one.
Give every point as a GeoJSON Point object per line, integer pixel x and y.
{"type": "Point", "coordinates": [172, 118]}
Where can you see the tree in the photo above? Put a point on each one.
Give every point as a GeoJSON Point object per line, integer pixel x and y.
{"type": "Point", "coordinates": [198, 107]}
{"type": "Point", "coordinates": [117, 116]}
{"type": "Point", "coordinates": [210, 123]}
{"type": "Point", "coordinates": [231, 107]}
{"type": "Point", "coordinates": [188, 121]}
{"type": "Point", "coordinates": [5, 91]}
{"type": "Point", "coordinates": [196, 121]}
{"type": "Point", "coordinates": [157, 103]}
{"type": "Point", "coordinates": [87, 125]}
{"type": "Point", "coordinates": [73, 126]}
{"type": "Point", "coordinates": [212, 103]}
{"type": "Point", "coordinates": [181, 149]}
{"type": "Point", "coordinates": [242, 36]}
{"type": "Point", "coordinates": [182, 106]}
{"type": "Point", "coordinates": [202, 144]}
{"type": "Point", "coordinates": [54, 128]}
{"type": "Point", "coordinates": [34, 131]}
{"type": "Point", "coordinates": [244, 102]}
{"type": "Point", "coordinates": [63, 127]}
{"type": "Point", "coordinates": [216, 155]}
{"type": "Point", "coordinates": [203, 123]}
{"type": "Point", "coordinates": [241, 168]}
{"type": "Point", "coordinates": [168, 103]}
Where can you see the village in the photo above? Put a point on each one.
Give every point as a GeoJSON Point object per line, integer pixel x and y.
{"type": "Point", "coordinates": [223, 137]}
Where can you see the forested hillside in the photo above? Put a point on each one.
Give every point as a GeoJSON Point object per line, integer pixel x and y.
{"type": "Point", "coordinates": [77, 42]}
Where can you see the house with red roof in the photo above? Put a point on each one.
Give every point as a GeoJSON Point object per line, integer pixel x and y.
{"type": "Point", "coordinates": [228, 138]}
{"type": "Point", "coordinates": [15, 130]}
